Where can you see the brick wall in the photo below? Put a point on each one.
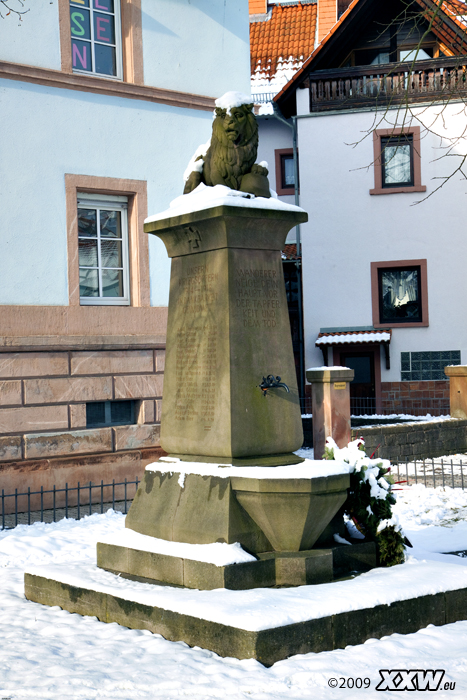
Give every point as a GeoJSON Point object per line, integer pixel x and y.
{"type": "Point", "coordinates": [415, 440]}
{"type": "Point", "coordinates": [43, 434]}
{"type": "Point", "coordinates": [416, 397]}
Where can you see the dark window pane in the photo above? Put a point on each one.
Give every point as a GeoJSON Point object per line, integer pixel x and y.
{"type": "Point", "coordinates": [106, 5]}
{"type": "Point", "coordinates": [121, 411]}
{"type": "Point", "coordinates": [288, 174]}
{"type": "Point", "coordinates": [95, 413]}
{"type": "Point", "coordinates": [110, 222]}
{"type": "Point", "coordinates": [399, 292]}
{"type": "Point", "coordinates": [106, 62]}
{"type": "Point", "coordinates": [397, 161]}
{"type": "Point", "coordinates": [112, 283]}
{"type": "Point", "coordinates": [104, 29]}
{"type": "Point", "coordinates": [81, 55]}
{"type": "Point", "coordinates": [87, 222]}
{"type": "Point", "coordinates": [80, 3]}
{"type": "Point", "coordinates": [88, 252]}
{"type": "Point", "coordinates": [111, 253]}
{"type": "Point", "coordinates": [88, 283]}
{"type": "Point", "coordinates": [405, 376]}
{"type": "Point", "coordinates": [80, 23]}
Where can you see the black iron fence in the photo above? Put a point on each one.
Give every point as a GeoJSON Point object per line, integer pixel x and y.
{"type": "Point", "coordinates": [369, 406]}
{"type": "Point", "coordinates": [432, 473]}
{"type": "Point", "coordinates": [20, 508]}
{"type": "Point", "coordinates": [49, 505]}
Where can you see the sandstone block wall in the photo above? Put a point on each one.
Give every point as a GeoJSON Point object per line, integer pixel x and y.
{"type": "Point", "coordinates": [43, 435]}
{"type": "Point", "coordinates": [415, 440]}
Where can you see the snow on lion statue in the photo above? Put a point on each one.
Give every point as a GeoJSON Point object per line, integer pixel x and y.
{"type": "Point", "coordinates": [229, 158]}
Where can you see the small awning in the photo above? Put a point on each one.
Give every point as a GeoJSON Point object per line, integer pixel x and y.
{"type": "Point", "coordinates": [354, 337]}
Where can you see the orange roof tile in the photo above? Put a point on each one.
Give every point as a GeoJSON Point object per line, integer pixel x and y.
{"type": "Point", "coordinates": [290, 32]}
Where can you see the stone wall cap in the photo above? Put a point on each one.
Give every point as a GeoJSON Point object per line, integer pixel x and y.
{"type": "Point", "coordinates": [329, 374]}
{"type": "Point", "coordinates": [456, 370]}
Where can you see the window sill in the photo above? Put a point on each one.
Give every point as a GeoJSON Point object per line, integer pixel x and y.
{"type": "Point", "coordinates": [408, 324]}
{"type": "Point", "coordinates": [104, 302]}
{"type": "Point", "coordinates": [398, 190]}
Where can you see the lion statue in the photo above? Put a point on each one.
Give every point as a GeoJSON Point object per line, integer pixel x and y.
{"type": "Point", "coordinates": [230, 157]}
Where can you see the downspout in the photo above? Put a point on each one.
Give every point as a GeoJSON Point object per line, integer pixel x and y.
{"type": "Point", "coordinates": [298, 263]}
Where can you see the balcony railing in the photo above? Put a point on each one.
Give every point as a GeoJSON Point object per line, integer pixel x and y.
{"type": "Point", "coordinates": [393, 83]}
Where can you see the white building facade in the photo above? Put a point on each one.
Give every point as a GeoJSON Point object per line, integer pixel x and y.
{"type": "Point", "coordinates": [102, 102]}
{"type": "Point", "coordinates": [384, 249]}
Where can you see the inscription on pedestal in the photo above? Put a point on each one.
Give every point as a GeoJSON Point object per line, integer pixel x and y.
{"type": "Point", "coordinates": [257, 296]}
{"type": "Point", "coordinates": [196, 347]}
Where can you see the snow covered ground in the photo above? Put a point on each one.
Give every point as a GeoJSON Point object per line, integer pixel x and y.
{"type": "Point", "coordinates": [48, 653]}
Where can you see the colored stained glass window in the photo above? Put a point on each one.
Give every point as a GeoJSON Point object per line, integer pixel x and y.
{"type": "Point", "coordinates": [95, 37]}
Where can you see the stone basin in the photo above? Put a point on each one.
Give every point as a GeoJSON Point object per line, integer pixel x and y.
{"type": "Point", "coordinates": [292, 513]}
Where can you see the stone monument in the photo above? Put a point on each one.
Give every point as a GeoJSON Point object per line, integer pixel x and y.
{"type": "Point", "coordinates": [230, 391]}
{"type": "Point", "coordinates": [232, 507]}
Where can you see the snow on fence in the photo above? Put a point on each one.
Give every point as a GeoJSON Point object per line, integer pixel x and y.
{"type": "Point", "coordinates": [20, 508]}
{"type": "Point", "coordinates": [430, 472]}
{"type": "Point", "coordinates": [45, 506]}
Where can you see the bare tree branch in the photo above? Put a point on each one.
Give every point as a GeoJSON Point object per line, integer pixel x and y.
{"type": "Point", "coordinates": [7, 6]}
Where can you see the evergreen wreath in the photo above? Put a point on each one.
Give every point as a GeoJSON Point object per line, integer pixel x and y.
{"type": "Point", "coordinates": [370, 500]}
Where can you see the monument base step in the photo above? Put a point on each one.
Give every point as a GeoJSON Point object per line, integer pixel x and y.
{"type": "Point", "coordinates": [271, 569]}
{"type": "Point", "coordinates": [270, 624]}
{"type": "Point", "coordinates": [274, 460]}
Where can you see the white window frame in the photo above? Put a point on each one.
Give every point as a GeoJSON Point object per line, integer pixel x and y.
{"type": "Point", "coordinates": [118, 42]}
{"type": "Point", "coordinates": [112, 203]}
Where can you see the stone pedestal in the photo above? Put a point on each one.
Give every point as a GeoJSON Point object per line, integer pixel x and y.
{"type": "Point", "coordinates": [228, 327]}
{"type": "Point", "coordinates": [262, 514]}
{"type": "Point", "coordinates": [330, 393]}
{"type": "Point", "coordinates": [457, 390]}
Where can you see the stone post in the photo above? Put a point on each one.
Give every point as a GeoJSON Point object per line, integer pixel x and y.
{"type": "Point", "coordinates": [457, 390]}
{"type": "Point", "coordinates": [330, 394]}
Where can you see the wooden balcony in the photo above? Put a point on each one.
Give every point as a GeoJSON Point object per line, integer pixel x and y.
{"type": "Point", "coordinates": [439, 79]}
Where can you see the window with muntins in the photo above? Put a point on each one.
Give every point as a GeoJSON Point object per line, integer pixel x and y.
{"type": "Point", "coordinates": [103, 249]}
{"type": "Point", "coordinates": [96, 44]}
{"type": "Point", "coordinates": [397, 161]}
{"type": "Point", "coordinates": [102, 413]}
